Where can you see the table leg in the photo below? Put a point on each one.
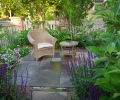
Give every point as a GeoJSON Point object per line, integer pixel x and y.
{"type": "Point", "coordinates": [72, 52]}
{"type": "Point", "coordinates": [62, 52]}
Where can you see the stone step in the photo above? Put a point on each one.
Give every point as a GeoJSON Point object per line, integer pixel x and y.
{"type": "Point", "coordinates": [41, 95]}
{"type": "Point", "coordinates": [58, 89]}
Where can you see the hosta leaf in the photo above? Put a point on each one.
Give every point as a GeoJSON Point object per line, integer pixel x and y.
{"type": "Point", "coordinates": [105, 98]}
{"type": "Point", "coordinates": [118, 53]}
{"type": "Point", "coordinates": [106, 13]}
{"type": "Point", "coordinates": [118, 32]}
{"type": "Point", "coordinates": [115, 95]}
{"type": "Point", "coordinates": [114, 76]}
{"type": "Point", "coordinates": [111, 48]}
{"type": "Point", "coordinates": [104, 84]}
{"type": "Point", "coordinates": [97, 50]}
{"type": "Point", "coordinates": [98, 60]}
{"type": "Point", "coordinates": [99, 72]}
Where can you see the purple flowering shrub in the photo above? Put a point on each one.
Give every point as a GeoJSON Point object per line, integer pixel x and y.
{"type": "Point", "coordinates": [9, 90]}
{"type": "Point", "coordinates": [81, 72]}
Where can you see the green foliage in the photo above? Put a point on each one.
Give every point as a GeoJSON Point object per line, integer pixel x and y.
{"type": "Point", "coordinates": [9, 57]}
{"type": "Point", "coordinates": [107, 65]}
{"type": "Point", "coordinates": [21, 38]}
{"type": "Point", "coordinates": [80, 82]}
{"type": "Point", "coordinates": [99, 6]}
{"type": "Point", "coordinates": [107, 62]}
{"type": "Point", "coordinates": [106, 46]}
{"type": "Point", "coordinates": [9, 5]}
{"type": "Point", "coordinates": [93, 38]}
{"type": "Point", "coordinates": [24, 51]}
{"type": "Point", "coordinates": [111, 15]}
{"type": "Point", "coordinates": [2, 49]}
{"type": "Point", "coordinates": [75, 10]}
{"type": "Point", "coordinates": [86, 36]}
{"type": "Point", "coordinates": [49, 16]}
{"type": "Point", "coordinates": [109, 82]}
{"type": "Point", "coordinates": [9, 89]}
{"type": "Point", "coordinates": [1, 26]}
{"type": "Point", "coordinates": [59, 35]}
{"type": "Point", "coordinates": [16, 47]}
{"type": "Point", "coordinates": [23, 7]}
{"type": "Point", "coordinates": [16, 39]}
{"type": "Point", "coordinates": [97, 38]}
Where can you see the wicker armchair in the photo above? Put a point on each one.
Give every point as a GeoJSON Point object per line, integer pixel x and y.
{"type": "Point", "coordinates": [43, 43]}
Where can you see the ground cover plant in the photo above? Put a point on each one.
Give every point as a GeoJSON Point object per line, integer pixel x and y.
{"type": "Point", "coordinates": [13, 46]}
{"type": "Point", "coordinates": [106, 68]}
{"type": "Point", "coordinates": [9, 57]}
{"type": "Point", "coordinates": [111, 15]}
{"type": "Point", "coordinates": [60, 35]}
{"type": "Point", "coordinates": [81, 75]}
{"type": "Point", "coordinates": [106, 46]}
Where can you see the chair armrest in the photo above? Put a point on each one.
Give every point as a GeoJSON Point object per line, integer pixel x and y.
{"type": "Point", "coordinates": [52, 40]}
{"type": "Point", "coordinates": [35, 45]}
{"type": "Point", "coordinates": [31, 40]}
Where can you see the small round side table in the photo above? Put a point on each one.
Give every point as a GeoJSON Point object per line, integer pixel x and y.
{"type": "Point", "coordinates": [68, 46]}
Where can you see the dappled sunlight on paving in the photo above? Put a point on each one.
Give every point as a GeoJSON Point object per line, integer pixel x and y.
{"type": "Point", "coordinates": [47, 72]}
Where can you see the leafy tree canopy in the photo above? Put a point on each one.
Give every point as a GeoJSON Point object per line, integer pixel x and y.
{"type": "Point", "coordinates": [75, 10]}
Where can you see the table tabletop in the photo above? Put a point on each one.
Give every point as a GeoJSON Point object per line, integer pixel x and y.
{"type": "Point", "coordinates": [68, 43]}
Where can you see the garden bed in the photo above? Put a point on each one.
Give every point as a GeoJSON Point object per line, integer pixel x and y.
{"type": "Point", "coordinates": [9, 88]}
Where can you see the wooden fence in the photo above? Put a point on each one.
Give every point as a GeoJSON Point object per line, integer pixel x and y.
{"type": "Point", "coordinates": [97, 24]}
{"type": "Point", "coordinates": [8, 27]}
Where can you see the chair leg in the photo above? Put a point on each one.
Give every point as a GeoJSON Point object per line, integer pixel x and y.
{"type": "Point", "coordinates": [36, 59]}
{"type": "Point", "coordinates": [62, 54]}
{"type": "Point", "coordinates": [53, 55]}
{"type": "Point", "coordinates": [53, 52]}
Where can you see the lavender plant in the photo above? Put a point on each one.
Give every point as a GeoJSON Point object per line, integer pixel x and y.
{"type": "Point", "coordinates": [9, 90]}
{"type": "Point", "coordinates": [81, 73]}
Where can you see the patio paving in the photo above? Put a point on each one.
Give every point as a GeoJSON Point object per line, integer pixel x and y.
{"type": "Point", "coordinates": [40, 95]}
{"type": "Point", "coordinates": [47, 72]}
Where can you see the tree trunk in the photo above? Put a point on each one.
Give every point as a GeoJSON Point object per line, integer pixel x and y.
{"type": "Point", "coordinates": [10, 13]}
{"type": "Point", "coordinates": [2, 14]}
{"type": "Point", "coordinates": [43, 20]}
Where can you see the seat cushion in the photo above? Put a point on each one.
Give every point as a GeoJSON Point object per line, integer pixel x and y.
{"type": "Point", "coordinates": [44, 45]}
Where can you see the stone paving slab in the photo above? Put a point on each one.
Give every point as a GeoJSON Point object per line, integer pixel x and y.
{"type": "Point", "coordinates": [47, 72]}
{"type": "Point", "coordinates": [40, 74]}
{"type": "Point", "coordinates": [45, 78]}
{"type": "Point", "coordinates": [31, 58]}
{"type": "Point", "coordinates": [28, 58]}
{"type": "Point", "coordinates": [22, 69]}
{"type": "Point", "coordinates": [48, 75]}
{"type": "Point", "coordinates": [40, 95]}
{"type": "Point", "coordinates": [65, 80]}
